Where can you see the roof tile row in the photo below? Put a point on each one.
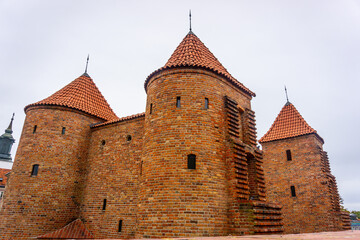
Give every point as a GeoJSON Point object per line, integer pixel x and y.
{"type": "Point", "coordinates": [81, 94]}
{"type": "Point", "coordinates": [289, 123]}
{"type": "Point", "coordinates": [191, 52]}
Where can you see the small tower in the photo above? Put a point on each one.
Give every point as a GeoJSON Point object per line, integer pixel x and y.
{"type": "Point", "coordinates": [298, 175]}
{"type": "Point", "coordinates": [6, 142]}
{"type": "Point", "coordinates": [49, 167]}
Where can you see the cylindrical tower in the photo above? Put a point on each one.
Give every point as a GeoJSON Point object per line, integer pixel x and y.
{"type": "Point", "coordinates": [183, 189]}
{"type": "Point", "coordinates": [44, 189]}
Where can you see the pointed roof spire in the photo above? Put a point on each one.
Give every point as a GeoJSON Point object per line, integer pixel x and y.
{"type": "Point", "coordinates": [289, 123]}
{"type": "Point", "coordinates": [81, 94]}
{"type": "Point", "coordinates": [9, 129]}
{"type": "Point", "coordinates": [86, 67]}
{"type": "Point", "coordinates": [190, 20]}
{"type": "Point", "coordinates": [191, 52]}
{"type": "Point", "coordinates": [6, 142]}
{"type": "Point", "coordinates": [287, 98]}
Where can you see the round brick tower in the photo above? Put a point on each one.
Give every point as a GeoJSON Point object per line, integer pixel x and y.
{"type": "Point", "coordinates": [44, 189]}
{"type": "Point", "coordinates": [183, 190]}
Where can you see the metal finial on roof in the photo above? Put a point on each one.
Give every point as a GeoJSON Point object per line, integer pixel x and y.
{"type": "Point", "coordinates": [287, 98]}
{"type": "Point", "coordinates": [87, 62]}
{"type": "Point", "coordinates": [11, 122]}
{"type": "Point", "coordinates": [190, 19]}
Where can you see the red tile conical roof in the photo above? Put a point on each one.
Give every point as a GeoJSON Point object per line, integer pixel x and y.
{"type": "Point", "coordinates": [74, 230]}
{"type": "Point", "coordinates": [289, 123]}
{"type": "Point", "coordinates": [191, 52]}
{"type": "Point", "coordinates": [81, 94]}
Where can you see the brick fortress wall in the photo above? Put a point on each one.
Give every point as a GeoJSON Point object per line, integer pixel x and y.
{"type": "Point", "coordinates": [315, 207]}
{"type": "Point", "coordinates": [35, 205]}
{"type": "Point", "coordinates": [114, 168]}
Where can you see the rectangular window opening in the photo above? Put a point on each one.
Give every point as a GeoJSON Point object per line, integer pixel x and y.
{"type": "Point", "coordinates": [63, 131]}
{"type": "Point", "coordinates": [141, 163]}
{"type": "Point", "coordinates": [151, 108]}
{"type": "Point", "coordinates": [178, 105]}
{"type": "Point", "coordinates": [120, 226]}
{"type": "Point", "coordinates": [206, 103]}
{"type": "Point", "coordinates": [34, 130]}
{"type": "Point", "coordinates": [104, 204]}
{"type": "Point", "coordinates": [191, 161]}
{"type": "Point", "coordinates": [35, 170]}
{"type": "Point", "coordinates": [288, 155]}
{"type": "Point", "coordinates": [293, 193]}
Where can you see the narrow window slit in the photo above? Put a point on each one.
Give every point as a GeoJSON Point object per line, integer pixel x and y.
{"type": "Point", "coordinates": [35, 170]}
{"type": "Point", "coordinates": [63, 131]}
{"type": "Point", "coordinates": [191, 161]}
{"type": "Point", "coordinates": [104, 204]}
{"type": "Point", "coordinates": [293, 193]}
{"type": "Point", "coordinates": [120, 226]}
{"type": "Point", "coordinates": [103, 142]}
{"type": "Point", "coordinates": [206, 103]}
{"type": "Point", "coordinates": [178, 104]}
{"type": "Point", "coordinates": [151, 106]}
{"type": "Point", "coordinates": [288, 155]}
{"type": "Point", "coordinates": [34, 130]}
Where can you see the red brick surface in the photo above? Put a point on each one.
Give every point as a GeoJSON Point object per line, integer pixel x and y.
{"type": "Point", "coordinates": [315, 207]}
{"type": "Point", "coordinates": [174, 200]}
{"type": "Point", "coordinates": [113, 173]}
{"type": "Point", "coordinates": [35, 205]}
{"type": "Point", "coordinates": [3, 171]}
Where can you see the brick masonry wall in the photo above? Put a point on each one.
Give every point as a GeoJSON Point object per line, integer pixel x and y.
{"type": "Point", "coordinates": [114, 168]}
{"type": "Point", "coordinates": [174, 200]}
{"type": "Point", "coordinates": [35, 205]}
{"type": "Point", "coordinates": [312, 208]}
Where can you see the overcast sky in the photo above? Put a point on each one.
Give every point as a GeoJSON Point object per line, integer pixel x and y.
{"type": "Point", "coordinates": [311, 46]}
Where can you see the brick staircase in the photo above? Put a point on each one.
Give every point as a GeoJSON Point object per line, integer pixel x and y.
{"type": "Point", "coordinates": [267, 218]}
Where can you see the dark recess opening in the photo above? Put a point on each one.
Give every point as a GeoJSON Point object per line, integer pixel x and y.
{"type": "Point", "coordinates": [34, 130]}
{"type": "Point", "coordinates": [288, 155]}
{"type": "Point", "coordinates": [206, 103]}
{"type": "Point", "coordinates": [293, 193]}
{"type": "Point", "coordinates": [104, 204]}
{"type": "Point", "coordinates": [178, 104]}
{"type": "Point", "coordinates": [35, 170]}
{"type": "Point", "coordinates": [63, 130]}
{"type": "Point", "coordinates": [120, 225]}
{"type": "Point", "coordinates": [191, 161]}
